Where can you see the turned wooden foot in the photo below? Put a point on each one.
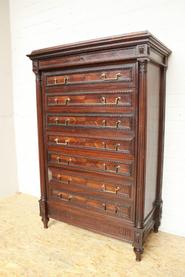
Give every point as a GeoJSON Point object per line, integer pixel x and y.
{"type": "Point", "coordinates": [43, 212]}
{"type": "Point", "coordinates": [138, 252]}
{"type": "Point", "coordinates": [158, 214]}
{"type": "Point", "coordinates": [156, 228]}
{"type": "Point", "coordinates": [45, 222]}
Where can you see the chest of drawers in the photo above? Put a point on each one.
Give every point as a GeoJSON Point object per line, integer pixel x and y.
{"type": "Point", "coordinates": [100, 106]}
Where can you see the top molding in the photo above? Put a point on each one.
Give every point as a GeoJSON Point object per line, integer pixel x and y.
{"type": "Point", "coordinates": [126, 40]}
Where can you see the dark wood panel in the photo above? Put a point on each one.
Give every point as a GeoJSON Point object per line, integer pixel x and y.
{"type": "Point", "coordinates": [87, 58]}
{"type": "Point", "coordinates": [63, 180]}
{"type": "Point", "coordinates": [124, 73]}
{"type": "Point", "coordinates": [153, 90]}
{"type": "Point", "coordinates": [109, 133]}
{"type": "Point", "coordinates": [90, 220]}
{"type": "Point", "coordinates": [102, 177]}
{"type": "Point", "coordinates": [123, 145]}
{"type": "Point", "coordinates": [85, 201]}
{"type": "Point", "coordinates": [93, 164]}
{"type": "Point", "coordinates": [125, 122]}
{"type": "Point", "coordinates": [117, 102]}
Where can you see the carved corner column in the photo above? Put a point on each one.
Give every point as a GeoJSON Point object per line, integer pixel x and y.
{"type": "Point", "coordinates": [43, 199]}
{"type": "Point", "coordinates": [159, 202]}
{"type": "Point", "coordinates": [141, 146]}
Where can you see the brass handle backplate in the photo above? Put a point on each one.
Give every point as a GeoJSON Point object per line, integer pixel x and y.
{"type": "Point", "coordinates": [103, 100]}
{"type": "Point", "coordinates": [56, 120]}
{"type": "Point", "coordinates": [104, 145]}
{"type": "Point", "coordinates": [104, 122]}
{"type": "Point", "coordinates": [117, 146]}
{"type": "Point", "coordinates": [60, 195]}
{"type": "Point", "coordinates": [67, 122]}
{"type": "Point", "coordinates": [117, 100]}
{"type": "Point", "coordinates": [118, 123]}
{"type": "Point", "coordinates": [58, 159]}
{"type": "Point", "coordinates": [65, 81]}
{"type": "Point", "coordinates": [110, 191]}
{"type": "Point", "coordinates": [67, 101]}
{"type": "Point", "coordinates": [61, 143]}
{"type": "Point", "coordinates": [105, 78]}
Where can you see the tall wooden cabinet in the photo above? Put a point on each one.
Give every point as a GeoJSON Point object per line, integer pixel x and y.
{"type": "Point", "coordinates": [100, 106]}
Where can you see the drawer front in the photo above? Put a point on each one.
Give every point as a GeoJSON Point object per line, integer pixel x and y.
{"type": "Point", "coordinates": [124, 122]}
{"type": "Point", "coordinates": [89, 132]}
{"type": "Point", "coordinates": [123, 101]}
{"type": "Point", "coordinates": [102, 99]}
{"type": "Point", "coordinates": [124, 145]}
{"type": "Point", "coordinates": [102, 206]}
{"type": "Point", "coordinates": [79, 183]}
{"type": "Point", "coordinates": [122, 73]}
{"type": "Point", "coordinates": [125, 168]}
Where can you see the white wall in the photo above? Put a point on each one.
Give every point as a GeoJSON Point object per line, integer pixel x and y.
{"type": "Point", "coordinates": [36, 24]}
{"type": "Point", "coordinates": [8, 183]}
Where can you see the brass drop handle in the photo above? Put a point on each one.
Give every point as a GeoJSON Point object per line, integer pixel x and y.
{"type": "Point", "coordinates": [104, 145]}
{"type": "Point", "coordinates": [117, 168]}
{"type": "Point", "coordinates": [61, 143]}
{"type": "Point", "coordinates": [56, 100]}
{"type": "Point", "coordinates": [58, 159]}
{"type": "Point", "coordinates": [117, 100]}
{"type": "Point", "coordinates": [61, 83]}
{"type": "Point", "coordinates": [60, 195]}
{"type": "Point", "coordinates": [117, 189]}
{"type": "Point", "coordinates": [104, 206]}
{"type": "Point", "coordinates": [105, 78]}
{"type": "Point", "coordinates": [104, 122]}
{"type": "Point", "coordinates": [110, 191]}
{"type": "Point", "coordinates": [70, 197]}
{"type": "Point", "coordinates": [67, 101]}
{"type": "Point", "coordinates": [105, 166]}
{"type": "Point", "coordinates": [56, 120]}
{"type": "Point", "coordinates": [117, 146]}
{"type": "Point", "coordinates": [68, 162]}
{"type": "Point", "coordinates": [116, 210]}
{"type": "Point", "coordinates": [59, 177]}
{"type": "Point", "coordinates": [118, 123]}
{"type": "Point", "coordinates": [103, 100]}
{"type": "Point", "coordinates": [67, 122]}
{"type": "Point", "coordinates": [69, 181]}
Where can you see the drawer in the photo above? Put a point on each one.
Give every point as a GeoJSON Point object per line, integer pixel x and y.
{"type": "Point", "coordinates": [125, 168]}
{"type": "Point", "coordinates": [91, 99]}
{"type": "Point", "coordinates": [122, 73]}
{"type": "Point", "coordinates": [102, 206]}
{"type": "Point", "coordinates": [109, 101]}
{"type": "Point", "coordinates": [124, 145]}
{"type": "Point", "coordinates": [70, 181]}
{"type": "Point", "coordinates": [88, 132]}
{"type": "Point", "coordinates": [124, 122]}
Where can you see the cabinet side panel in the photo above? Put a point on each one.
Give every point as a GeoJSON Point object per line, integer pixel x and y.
{"type": "Point", "coordinates": [153, 90]}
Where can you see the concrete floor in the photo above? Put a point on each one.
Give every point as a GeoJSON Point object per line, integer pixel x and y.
{"type": "Point", "coordinates": [27, 250]}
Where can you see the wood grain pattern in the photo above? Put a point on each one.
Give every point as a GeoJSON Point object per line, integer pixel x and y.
{"type": "Point", "coordinates": [98, 123]}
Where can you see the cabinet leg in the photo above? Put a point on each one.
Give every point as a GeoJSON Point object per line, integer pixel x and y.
{"type": "Point", "coordinates": [43, 212]}
{"type": "Point", "coordinates": [138, 252]}
{"type": "Point", "coordinates": [156, 227]}
{"type": "Point", "coordinates": [138, 243]}
{"type": "Point", "coordinates": [45, 221]}
{"type": "Point", "coordinates": [158, 215]}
